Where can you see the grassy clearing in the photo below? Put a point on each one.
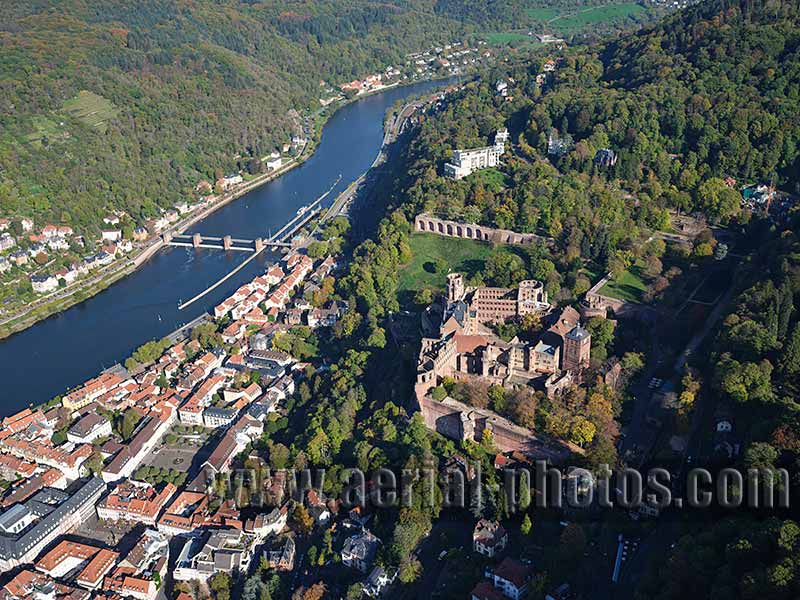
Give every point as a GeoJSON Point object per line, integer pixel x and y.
{"type": "Point", "coordinates": [493, 179]}
{"type": "Point", "coordinates": [630, 286]}
{"type": "Point", "coordinates": [466, 256]}
{"type": "Point", "coordinates": [463, 256]}
{"type": "Point", "coordinates": [565, 22]}
{"type": "Point", "coordinates": [92, 109]}
{"type": "Point", "coordinates": [568, 24]}
{"type": "Point", "coordinates": [543, 13]}
{"type": "Point", "coordinates": [43, 128]}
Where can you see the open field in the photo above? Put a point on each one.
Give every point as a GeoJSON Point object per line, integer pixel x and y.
{"type": "Point", "coordinates": [43, 128]}
{"type": "Point", "coordinates": [564, 22]}
{"type": "Point", "coordinates": [452, 254]}
{"type": "Point", "coordinates": [568, 23]}
{"type": "Point", "coordinates": [493, 179]}
{"type": "Point", "coordinates": [571, 21]}
{"type": "Point", "coordinates": [466, 256]}
{"type": "Point", "coordinates": [93, 110]}
{"type": "Point", "coordinates": [500, 38]}
{"type": "Point", "coordinates": [543, 13]}
{"type": "Point", "coordinates": [629, 287]}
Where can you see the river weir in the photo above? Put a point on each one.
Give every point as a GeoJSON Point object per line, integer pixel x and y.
{"type": "Point", "coordinates": [66, 349]}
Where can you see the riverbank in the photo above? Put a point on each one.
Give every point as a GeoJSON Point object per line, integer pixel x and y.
{"type": "Point", "coordinates": [79, 342]}
{"type": "Point", "coordinates": [364, 184]}
{"type": "Point", "coordinates": [87, 288]}
{"type": "Point", "coordinates": [66, 298]}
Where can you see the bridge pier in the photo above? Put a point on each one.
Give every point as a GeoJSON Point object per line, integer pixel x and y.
{"type": "Point", "coordinates": [197, 239]}
{"type": "Point", "coordinates": [166, 237]}
{"type": "Point", "coordinates": [226, 242]}
{"type": "Point", "coordinates": [259, 244]}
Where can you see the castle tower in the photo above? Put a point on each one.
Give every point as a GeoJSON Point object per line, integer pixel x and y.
{"type": "Point", "coordinates": [531, 297]}
{"type": "Point", "coordinates": [531, 290]}
{"type": "Point", "coordinates": [577, 345]}
{"type": "Point", "coordinates": [455, 287]}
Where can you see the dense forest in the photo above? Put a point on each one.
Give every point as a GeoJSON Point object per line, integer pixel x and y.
{"type": "Point", "coordinates": [722, 104]}
{"type": "Point", "coordinates": [682, 113]}
{"type": "Point", "coordinates": [127, 105]}
{"type": "Point", "coordinates": [113, 105]}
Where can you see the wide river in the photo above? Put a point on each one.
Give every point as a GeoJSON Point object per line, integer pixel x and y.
{"type": "Point", "coordinates": [64, 350]}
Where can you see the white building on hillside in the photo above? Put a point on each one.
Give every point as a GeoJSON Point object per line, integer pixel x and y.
{"type": "Point", "coordinates": [466, 162]}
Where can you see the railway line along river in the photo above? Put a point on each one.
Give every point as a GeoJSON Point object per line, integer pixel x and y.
{"type": "Point", "coordinates": [64, 350]}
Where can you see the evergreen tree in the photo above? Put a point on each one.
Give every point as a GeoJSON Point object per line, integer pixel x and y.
{"type": "Point", "coordinates": [790, 361]}
{"type": "Point", "coordinates": [526, 525]}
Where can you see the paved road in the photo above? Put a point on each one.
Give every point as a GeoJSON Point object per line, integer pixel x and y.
{"type": "Point", "coordinates": [669, 527]}
{"type": "Point", "coordinates": [640, 435]}
{"type": "Point", "coordinates": [658, 543]}
{"type": "Point", "coordinates": [701, 335]}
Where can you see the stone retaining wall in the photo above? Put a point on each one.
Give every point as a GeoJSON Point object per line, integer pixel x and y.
{"type": "Point", "coordinates": [470, 231]}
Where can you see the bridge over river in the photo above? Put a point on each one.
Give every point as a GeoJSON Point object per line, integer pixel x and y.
{"type": "Point", "coordinates": [280, 239]}
{"type": "Point", "coordinates": [67, 349]}
{"type": "Point", "coordinates": [277, 240]}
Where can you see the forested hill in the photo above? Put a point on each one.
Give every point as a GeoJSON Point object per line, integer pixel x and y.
{"type": "Point", "coordinates": [176, 90]}
{"type": "Point", "coordinates": [707, 94]}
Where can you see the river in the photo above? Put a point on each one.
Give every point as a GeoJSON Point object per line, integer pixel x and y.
{"type": "Point", "coordinates": [66, 349]}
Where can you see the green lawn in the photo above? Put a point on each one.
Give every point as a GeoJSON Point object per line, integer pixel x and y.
{"type": "Point", "coordinates": [543, 13]}
{"type": "Point", "coordinates": [92, 109]}
{"type": "Point", "coordinates": [571, 23]}
{"type": "Point", "coordinates": [630, 287]}
{"type": "Point", "coordinates": [565, 22]}
{"type": "Point", "coordinates": [43, 128]}
{"type": "Point", "coordinates": [464, 256]}
{"type": "Point", "coordinates": [494, 180]}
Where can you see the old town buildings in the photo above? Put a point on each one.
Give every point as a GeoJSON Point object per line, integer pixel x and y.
{"type": "Point", "coordinates": [29, 527]}
{"type": "Point", "coordinates": [135, 501]}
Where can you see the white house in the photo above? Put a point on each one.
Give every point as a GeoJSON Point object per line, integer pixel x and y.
{"type": "Point", "coordinates": [43, 283]}
{"type": "Point", "coordinates": [89, 428]}
{"type": "Point", "coordinates": [511, 577]}
{"type": "Point", "coordinates": [111, 235]}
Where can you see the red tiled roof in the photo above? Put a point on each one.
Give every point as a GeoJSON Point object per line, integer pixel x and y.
{"type": "Point", "coordinates": [138, 500]}
{"type": "Point", "coordinates": [468, 343]}
{"type": "Point", "coordinates": [64, 550]}
{"type": "Point", "coordinates": [485, 591]}
{"type": "Point", "coordinates": [101, 564]}
{"type": "Point", "coordinates": [513, 571]}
